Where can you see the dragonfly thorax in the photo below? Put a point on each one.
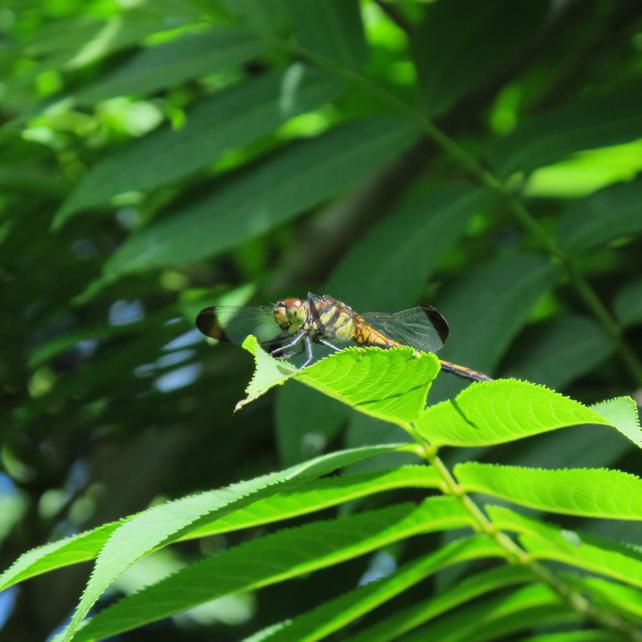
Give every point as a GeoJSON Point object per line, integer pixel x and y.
{"type": "Point", "coordinates": [291, 314]}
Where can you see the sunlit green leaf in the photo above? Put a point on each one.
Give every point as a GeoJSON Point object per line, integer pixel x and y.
{"type": "Point", "coordinates": [305, 497]}
{"type": "Point", "coordinates": [275, 558]}
{"type": "Point", "coordinates": [580, 491]}
{"type": "Point", "coordinates": [499, 411]}
{"type": "Point", "coordinates": [386, 384]}
{"type": "Point", "coordinates": [166, 522]}
{"type": "Point", "coordinates": [576, 549]}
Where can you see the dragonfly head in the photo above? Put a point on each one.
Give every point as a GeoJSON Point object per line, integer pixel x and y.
{"type": "Point", "coordinates": [290, 314]}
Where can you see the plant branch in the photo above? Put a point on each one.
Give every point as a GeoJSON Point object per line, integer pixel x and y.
{"type": "Point", "coordinates": [491, 181]}
{"type": "Point", "coordinates": [516, 555]}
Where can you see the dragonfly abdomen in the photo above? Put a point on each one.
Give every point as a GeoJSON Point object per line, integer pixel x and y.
{"type": "Point", "coordinates": [365, 335]}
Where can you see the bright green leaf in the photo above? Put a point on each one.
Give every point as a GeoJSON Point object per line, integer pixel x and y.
{"type": "Point", "coordinates": [437, 217]}
{"type": "Point", "coordinates": [164, 523]}
{"type": "Point", "coordinates": [285, 503]}
{"type": "Point", "coordinates": [275, 558]}
{"type": "Point", "coordinates": [590, 553]}
{"type": "Point", "coordinates": [226, 120]}
{"type": "Point", "coordinates": [501, 411]}
{"type": "Point", "coordinates": [284, 186]}
{"type": "Point", "coordinates": [622, 413]}
{"type": "Point", "coordinates": [609, 214]}
{"type": "Point", "coordinates": [573, 491]}
{"type": "Point", "coordinates": [386, 384]}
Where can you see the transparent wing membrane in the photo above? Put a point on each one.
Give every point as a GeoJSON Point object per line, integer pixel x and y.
{"type": "Point", "coordinates": [421, 328]}
{"type": "Point", "coordinates": [234, 324]}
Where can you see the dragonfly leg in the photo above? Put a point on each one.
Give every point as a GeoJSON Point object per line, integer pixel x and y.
{"type": "Point", "coordinates": [327, 343]}
{"type": "Point", "coordinates": [288, 345]}
{"type": "Point", "coordinates": [308, 352]}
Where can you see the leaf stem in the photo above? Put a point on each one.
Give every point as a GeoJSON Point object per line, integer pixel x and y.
{"type": "Point", "coordinates": [516, 555]}
{"type": "Point", "coordinates": [491, 181]}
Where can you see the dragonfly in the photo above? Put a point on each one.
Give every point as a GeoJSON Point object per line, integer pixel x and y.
{"type": "Point", "coordinates": [297, 326]}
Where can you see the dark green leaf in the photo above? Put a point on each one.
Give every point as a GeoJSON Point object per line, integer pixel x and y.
{"type": "Point", "coordinates": [604, 216]}
{"type": "Point", "coordinates": [628, 303]}
{"type": "Point", "coordinates": [578, 342]}
{"type": "Point", "coordinates": [463, 44]}
{"type": "Point", "coordinates": [576, 126]}
{"type": "Point", "coordinates": [331, 29]}
{"type": "Point", "coordinates": [171, 63]}
{"type": "Point", "coordinates": [282, 187]}
{"type": "Point", "coordinates": [224, 121]}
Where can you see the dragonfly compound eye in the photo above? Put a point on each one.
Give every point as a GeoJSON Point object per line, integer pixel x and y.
{"type": "Point", "coordinates": [290, 314]}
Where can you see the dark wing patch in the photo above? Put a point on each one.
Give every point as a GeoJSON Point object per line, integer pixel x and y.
{"type": "Point", "coordinates": [207, 323]}
{"type": "Point", "coordinates": [234, 324]}
{"type": "Point", "coordinates": [420, 328]}
{"type": "Point", "coordinates": [438, 320]}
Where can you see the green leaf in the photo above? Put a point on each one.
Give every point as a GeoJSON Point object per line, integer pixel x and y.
{"type": "Point", "coordinates": [275, 558]}
{"type": "Point", "coordinates": [579, 491]}
{"type": "Point", "coordinates": [628, 303]}
{"type": "Point", "coordinates": [294, 402]}
{"type": "Point", "coordinates": [623, 598]}
{"type": "Point", "coordinates": [283, 503]}
{"type": "Point", "coordinates": [590, 553]}
{"type": "Point", "coordinates": [496, 412]}
{"type": "Point", "coordinates": [463, 45]}
{"type": "Point", "coordinates": [437, 217]}
{"type": "Point", "coordinates": [580, 343]}
{"type": "Point", "coordinates": [470, 588]}
{"type": "Point", "coordinates": [164, 523]}
{"type": "Point", "coordinates": [70, 550]}
{"type": "Point", "coordinates": [606, 215]}
{"type": "Point", "coordinates": [622, 413]}
{"type": "Point", "coordinates": [331, 29]}
{"type": "Point", "coordinates": [576, 636]}
{"type": "Point", "coordinates": [495, 617]}
{"type": "Point", "coordinates": [284, 186]}
{"type": "Point", "coordinates": [168, 64]}
{"type": "Point", "coordinates": [226, 120]}
{"type": "Point", "coordinates": [386, 384]}
{"type": "Point", "coordinates": [339, 612]}
{"type": "Point", "coordinates": [573, 127]}
{"type": "Point", "coordinates": [486, 308]}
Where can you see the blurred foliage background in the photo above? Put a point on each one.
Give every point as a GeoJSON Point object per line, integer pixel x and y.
{"type": "Point", "coordinates": [165, 155]}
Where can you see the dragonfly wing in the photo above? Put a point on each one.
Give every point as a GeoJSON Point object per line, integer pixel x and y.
{"type": "Point", "coordinates": [422, 328]}
{"type": "Point", "coordinates": [236, 323]}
